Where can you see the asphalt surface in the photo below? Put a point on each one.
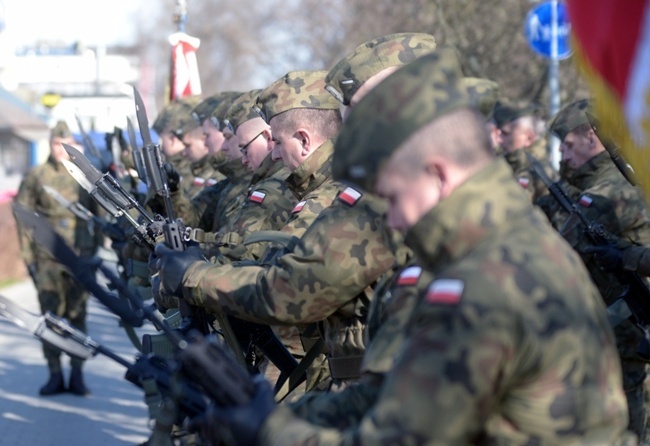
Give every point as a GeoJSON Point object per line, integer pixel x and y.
{"type": "Point", "coordinates": [113, 414]}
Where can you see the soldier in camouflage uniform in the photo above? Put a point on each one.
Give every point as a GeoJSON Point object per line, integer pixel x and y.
{"type": "Point", "coordinates": [58, 292]}
{"type": "Point", "coordinates": [168, 125]}
{"type": "Point", "coordinates": [509, 342]}
{"type": "Point", "coordinates": [606, 197]}
{"type": "Point", "coordinates": [522, 131]}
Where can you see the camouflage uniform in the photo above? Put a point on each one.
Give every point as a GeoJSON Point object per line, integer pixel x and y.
{"type": "Point", "coordinates": [606, 197]}
{"type": "Point", "coordinates": [509, 342]}
{"type": "Point", "coordinates": [58, 291]}
{"type": "Point", "coordinates": [525, 175]}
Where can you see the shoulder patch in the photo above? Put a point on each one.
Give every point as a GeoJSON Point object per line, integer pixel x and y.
{"type": "Point", "coordinates": [198, 182]}
{"type": "Point", "coordinates": [210, 182]}
{"type": "Point", "coordinates": [298, 207]}
{"type": "Point", "coordinates": [257, 197]}
{"type": "Point", "coordinates": [523, 182]}
{"type": "Point", "coordinates": [445, 291]}
{"type": "Point", "coordinates": [586, 201]}
{"type": "Point", "coordinates": [350, 196]}
{"type": "Point", "coordinates": [409, 276]}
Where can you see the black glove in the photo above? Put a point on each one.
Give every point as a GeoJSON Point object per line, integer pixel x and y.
{"type": "Point", "coordinates": [173, 177]}
{"type": "Point", "coordinates": [243, 422]}
{"type": "Point", "coordinates": [609, 257]}
{"type": "Point", "coordinates": [33, 271]}
{"type": "Point", "coordinates": [173, 264]}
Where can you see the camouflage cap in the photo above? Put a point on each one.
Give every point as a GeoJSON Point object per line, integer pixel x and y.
{"type": "Point", "coordinates": [205, 108]}
{"type": "Point", "coordinates": [371, 57]}
{"type": "Point", "coordinates": [241, 110]}
{"type": "Point", "coordinates": [570, 117]}
{"type": "Point", "coordinates": [508, 111]}
{"type": "Point", "coordinates": [60, 130]}
{"type": "Point", "coordinates": [390, 113]}
{"type": "Point", "coordinates": [483, 94]}
{"type": "Point", "coordinates": [296, 89]}
{"type": "Point", "coordinates": [218, 115]}
{"type": "Point", "coordinates": [176, 116]}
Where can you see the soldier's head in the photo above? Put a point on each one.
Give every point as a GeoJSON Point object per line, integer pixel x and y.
{"type": "Point", "coordinates": [208, 115]}
{"type": "Point", "coordinates": [371, 62]}
{"type": "Point", "coordinates": [170, 122]}
{"type": "Point", "coordinates": [520, 123]}
{"type": "Point", "coordinates": [253, 138]}
{"type": "Point", "coordinates": [60, 134]}
{"type": "Point", "coordinates": [483, 94]}
{"type": "Point", "coordinates": [414, 138]}
{"type": "Point", "coordinates": [301, 113]}
{"type": "Point", "coordinates": [579, 140]}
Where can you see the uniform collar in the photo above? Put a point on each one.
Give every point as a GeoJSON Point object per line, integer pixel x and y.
{"type": "Point", "coordinates": [313, 172]}
{"type": "Point", "coordinates": [586, 175]}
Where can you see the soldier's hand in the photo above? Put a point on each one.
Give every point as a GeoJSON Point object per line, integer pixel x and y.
{"type": "Point", "coordinates": [173, 177]}
{"type": "Point", "coordinates": [243, 422]}
{"type": "Point", "coordinates": [609, 257]}
{"type": "Point", "coordinates": [173, 265]}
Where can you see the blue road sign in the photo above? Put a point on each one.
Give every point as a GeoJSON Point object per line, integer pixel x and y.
{"type": "Point", "coordinates": [538, 29]}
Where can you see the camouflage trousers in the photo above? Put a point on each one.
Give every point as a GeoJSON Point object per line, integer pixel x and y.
{"type": "Point", "coordinates": [61, 295]}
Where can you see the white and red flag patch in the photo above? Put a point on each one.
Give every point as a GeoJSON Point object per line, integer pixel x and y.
{"type": "Point", "coordinates": [257, 197]}
{"type": "Point", "coordinates": [409, 276]}
{"type": "Point", "coordinates": [210, 182]}
{"type": "Point", "coordinates": [445, 291]}
{"type": "Point", "coordinates": [298, 207]}
{"type": "Point", "coordinates": [198, 181]}
{"type": "Point", "coordinates": [586, 201]}
{"type": "Point", "coordinates": [350, 196]}
{"type": "Point", "coordinates": [523, 182]}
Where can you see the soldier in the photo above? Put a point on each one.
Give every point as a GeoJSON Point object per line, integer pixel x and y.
{"type": "Point", "coordinates": [487, 359]}
{"type": "Point", "coordinates": [522, 131]}
{"type": "Point", "coordinates": [607, 198]}
{"type": "Point", "coordinates": [58, 292]}
{"type": "Point", "coordinates": [168, 125]}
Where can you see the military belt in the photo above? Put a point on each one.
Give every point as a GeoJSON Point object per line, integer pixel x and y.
{"type": "Point", "coordinates": [230, 239]}
{"type": "Point", "coordinates": [345, 367]}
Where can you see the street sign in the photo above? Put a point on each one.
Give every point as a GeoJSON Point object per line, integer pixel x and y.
{"type": "Point", "coordinates": [539, 29]}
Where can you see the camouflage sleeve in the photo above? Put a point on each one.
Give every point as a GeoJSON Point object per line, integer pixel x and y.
{"type": "Point", "coordinates": [342, 253]}
{"type": "Point", "coordinates": [27, 196]}
{"type": "Point", "coordinates": [637, 258]}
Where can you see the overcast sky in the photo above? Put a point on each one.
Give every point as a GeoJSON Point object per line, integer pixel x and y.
{"type": "Point", "coordinates": [93, 22]}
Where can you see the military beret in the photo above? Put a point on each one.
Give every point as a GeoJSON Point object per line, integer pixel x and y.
{"type": "Point", "coordinates": [175, 116]}
{"type": "Point", "coordinates": [372, 57]}
{"type": "Point", "coordinates": [506, 112]}
{"type": "Point", "coordinates": [390, 113]}
{"type": "Point", "coordinates": [60, 130]}
{"type": "Point", "coordinates": [483, 94]}
{"type": "Point", "coordinates": [241, 110]}
{"type": "Point", "coordinates": [570, 117]}
{"type": "Point", "coordinates": [296, 89]}
{"type": "Point", "coordinates": [205, 108]}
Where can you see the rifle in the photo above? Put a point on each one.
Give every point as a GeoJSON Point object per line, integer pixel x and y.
{"type": "Point", "coordinates": [88, 142]}
{"type": "Point", "coordinates": [636, 295]}
{"type": "Point", "coordinates": [136, 153]}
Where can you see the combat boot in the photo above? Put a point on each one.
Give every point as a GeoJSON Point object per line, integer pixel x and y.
{"type": "Point", "coordinates": [76, 385]}
{"type": "Point", "coordinates": [54, 386]}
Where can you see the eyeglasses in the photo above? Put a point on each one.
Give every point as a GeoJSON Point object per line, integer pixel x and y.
{"type": "Point", "coordinates": [244, 148]}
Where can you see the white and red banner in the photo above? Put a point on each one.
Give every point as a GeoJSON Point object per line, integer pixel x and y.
{"type": "Point", "coordinates": [185, 80]}
{"type": "Point", "coordinates": [612, 42]}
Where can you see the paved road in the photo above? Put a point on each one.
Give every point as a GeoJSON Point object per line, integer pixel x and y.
{"type": "Point", "coordinates": [114, 414]}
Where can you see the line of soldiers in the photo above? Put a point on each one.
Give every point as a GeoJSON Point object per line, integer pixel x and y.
{"type": "Point", "coordinates": [364, 214]}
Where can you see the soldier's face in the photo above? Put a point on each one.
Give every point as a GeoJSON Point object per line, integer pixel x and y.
{"type": "Point", "coordinates": [213, 137]}
{"type": "Point", "coordinates": [230, 146]}
{"type": "Point", "coordinates": [170, 144]}
{"type": "Point", "coordinates": [255, 143]}
{"type": "Point", "coordinates": [411, 193]}
{"type": "Point", "coordinates": [57, 150]}
{"type": "Point", "coordinates": [194, 142]}
{"type": "Point", "coordinates": [291, 145]}
{"type": "Point", "coordinates": [577, 148]}
{"type": "Point", "coordinates": [515, 136]}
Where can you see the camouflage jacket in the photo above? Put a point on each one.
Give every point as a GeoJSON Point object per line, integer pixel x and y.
{"type": "Point", "coordinates": [76, 232]}
{"type": "Point", "coordinates": [525, 174]}
{"type": "Point", "coordinates": [509, 344]}
{"type": "Point", "coordinates": [267, 206]}
{"type": "Point", "coordinates": [606, 198]}
{"type": "Point", "coordinates": [326, 278]}
{"type": "Point", "coordinates": [182, 165]}
{"type": "Point", "coordinates": [204, 175]}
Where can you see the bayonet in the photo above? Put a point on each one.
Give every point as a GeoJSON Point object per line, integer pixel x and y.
{"type": "Point", "coordinates": [116, 151]}
{"type": "Point", "coordinates": [141, 115]}
{"type": "Point", "coordinates": [136, 152]}
{"type": "Point", "coordinates": [78, 175]}
{"type": "Point", "coordinates": [88, 142]}
{"type": "Point", "coordinates": [76, 208]}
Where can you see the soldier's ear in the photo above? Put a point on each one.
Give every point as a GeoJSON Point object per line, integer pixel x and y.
{"type": "Point", "coordinates": [304, 137]}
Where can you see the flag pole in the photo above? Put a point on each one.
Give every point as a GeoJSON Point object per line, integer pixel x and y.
{"type": "Point", "coordinates": [554, 82]}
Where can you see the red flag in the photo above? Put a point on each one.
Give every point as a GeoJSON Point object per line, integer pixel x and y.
{"type": "Point", "coordinates": [185, 79]}
{"type": "Point", "coordinates": [612, 44]}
